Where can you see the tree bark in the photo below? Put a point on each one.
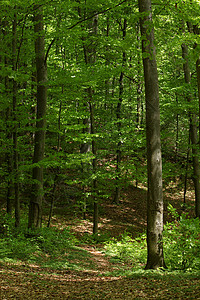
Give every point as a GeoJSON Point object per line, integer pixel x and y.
{"type": "Point", "coordinates": [155, 258]}
{"type": "Point", "coordinates": [91, 59]}
{"type": "Point", "coordinates": [8, 116]}
{"type": "Point", "coordinates": [35, 208]}
{"type": "Point", "coordinates": [119, 117]}
{"type": "Point", "coordinates": [14, 97]}
{"type": "Point", "coordinates": [196, 31]}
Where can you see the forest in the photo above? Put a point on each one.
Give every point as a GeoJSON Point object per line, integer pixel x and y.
{"type": "Point", "coordinates": [99, 149]}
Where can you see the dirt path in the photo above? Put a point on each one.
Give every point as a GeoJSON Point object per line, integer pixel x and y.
{"type": "Point", "coordinates": [23, 281]}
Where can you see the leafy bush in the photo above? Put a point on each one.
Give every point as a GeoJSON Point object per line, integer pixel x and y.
{"type": "Point", "coordinates": [128, 249]}
{"type": "Point", "coordinates": [53, 241]}
{"type": "Point", "coordinates": [32, 245]}
{"type": "Point", "coordinates": [182, 242]}
{"type": "Point", "coordinates": [96, 238]}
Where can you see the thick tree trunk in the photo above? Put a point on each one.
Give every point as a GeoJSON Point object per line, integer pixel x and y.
{"type": "Point", "coordinates": [155, 257]}
{"type": "Point", "coordinates": [193, 133]}
{"type": "Point", "coordinates": [35, 208]}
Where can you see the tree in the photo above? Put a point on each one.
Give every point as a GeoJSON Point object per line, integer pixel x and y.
{"type": "Point", "coordinates": [35, 207]}
{"type": "Point", "coordinates": [118, 114]}
{"type": "Point", "coordinates": [15, 150]}
{"type": "Point", "coordinates": [155, 257]}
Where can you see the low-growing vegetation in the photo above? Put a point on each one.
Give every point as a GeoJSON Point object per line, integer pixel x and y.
{"type": "Point", "coordinates": [51, 252]}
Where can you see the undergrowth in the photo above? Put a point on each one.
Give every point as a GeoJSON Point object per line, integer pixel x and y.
{"type": "Point", "coordinates": [59, 248]}
{"type": "Point", "coordinates": [181, 242]}
{"type": "Point", "coordinates": [45, 246]}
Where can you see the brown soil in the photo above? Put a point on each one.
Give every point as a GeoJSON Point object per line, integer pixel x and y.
{"type": "Point", "coordinates": [24, 281]}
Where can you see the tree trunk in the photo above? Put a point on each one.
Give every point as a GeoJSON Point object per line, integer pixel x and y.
{"type": "Point", "coordinates": [196, 31]}
{"type": "Point", "coordinates": [94, 166]}
{"type": "Point", "coordinates": [35, 208]}
{"type": "Point", "coordinates": [15, 151]}
{"type": "Point", "coordinates": [193, 134]}
{"type": "Point", "coordinates": [139, 115]}
{"type": "Point", "coordinates": [155, 257]}
{"type": "Point", "coordinates": [119, 117]}
{"type": "Point", "coordinates": [198, 83]}
{"type": "Point", "coordinates": [91, 59]}
{"type": "Point", "coordinates": [9, 131]}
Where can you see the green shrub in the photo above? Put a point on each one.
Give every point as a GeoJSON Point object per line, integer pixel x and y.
{"type": "Point", "coordinates": [128, 249]}
{"type": "Point", "coordinates": [29, 245]}
{"type": "Point", "coordinates": [53, 241]}
{"type": "Point", "coordinates": [182, 242]}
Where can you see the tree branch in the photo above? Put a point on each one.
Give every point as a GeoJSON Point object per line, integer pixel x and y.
{"type": "Point", "coordinates": [98, 13]}
{"type": "Point", "coordinates": [83, 20]}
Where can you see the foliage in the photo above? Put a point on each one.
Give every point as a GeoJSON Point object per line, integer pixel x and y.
{"type": "Point", "coordinates": [181, 245]}
{"type": "Point", "coordinates": [69, 77]}
{"type": "Point", "coordinates": [182, 241]}
{"type": "Point", "coordinates": [36, 245]}
{"type": "Point", "coordinates": [96, 238]}
{"type": "Point", "coordinates": [128, 249]}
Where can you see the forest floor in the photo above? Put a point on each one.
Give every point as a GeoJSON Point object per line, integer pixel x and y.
{"type": "Point", "coordinates": [98, 277]}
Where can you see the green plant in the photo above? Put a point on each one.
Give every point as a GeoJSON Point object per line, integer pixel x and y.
{"type": "Point", "coordinates": [29, 245]}
{"type": "Point", "coordinates": [127, 249]}
{"type": "Point", "coordinates": [182, 241]}
{"type": "Point", "coordinates": [88, 238]}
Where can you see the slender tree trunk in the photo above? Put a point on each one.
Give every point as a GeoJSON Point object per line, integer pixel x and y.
{"type": "Point", "coordinates": [193, 133]}
{"type": "Point", "coordinates": [198, 84]}
{"type": "Point", "coordinates": [91, 59]}
{"type": "Point", "coordinates": [94, 165]}
{"type": "Point", "coordinates": [186, 172]}
{"type": "Point", "coordinates": [59, 124]}
{"type": "Point", "coordinates": [196, 31]}
{"type": "Point", "coordinates": [35, 208]}
{"type": "Point", "coordinates": [155, 257]}
{"type": "Point", "coordinates": [139, 118]}
{"type": "Point", "coordinates": [9, 131]}
{"type": "Point", "coordinates": [86, 146]}
{"type": "Point", "coordinates": [177, 132]}
{"type": "Point", "coordinates": [107, 63]}
{"type": "Point", "coordinates": [15, 151]}
{"type": "Point", "coordinates": [119, 117]}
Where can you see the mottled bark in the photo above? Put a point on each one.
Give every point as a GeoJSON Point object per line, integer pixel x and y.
{"type": "Point", "coordinates": [155, 257]}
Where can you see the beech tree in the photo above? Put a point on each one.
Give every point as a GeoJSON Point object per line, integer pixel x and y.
{"type": "Point", "coordinates": [155, 257]}
{"type": "Point", "coordinates": [35, 208]}
{"type": "Point", "coordinates": [15, 122]}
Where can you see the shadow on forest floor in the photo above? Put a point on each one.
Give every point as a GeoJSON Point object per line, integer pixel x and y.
{"type": "Point", "coordinates": [86, 275]}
